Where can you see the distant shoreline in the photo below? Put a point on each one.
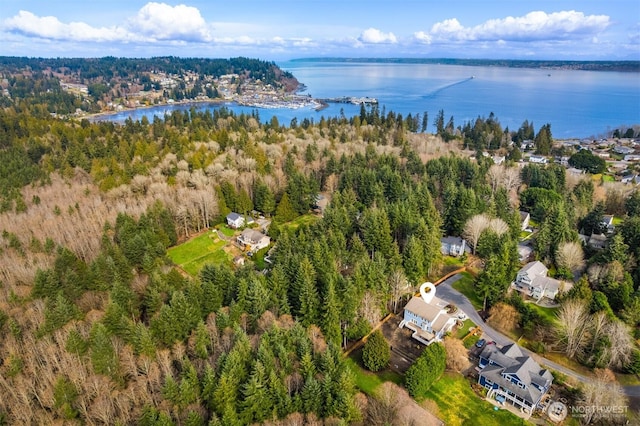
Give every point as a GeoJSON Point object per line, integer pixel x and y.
{"type": "Point", "coordinates": [96, 116]}
{"type": "Point", "coordinates": [619, 66]}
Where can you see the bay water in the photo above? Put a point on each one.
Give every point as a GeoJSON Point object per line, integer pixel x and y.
{"type": "Point", "coordinates": [577, 104]}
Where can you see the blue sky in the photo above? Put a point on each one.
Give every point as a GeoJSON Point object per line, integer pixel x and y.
{"type": "Point", "coordinates": [286, 29]}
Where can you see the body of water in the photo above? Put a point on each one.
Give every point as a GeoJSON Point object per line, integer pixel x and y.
{"type": "Point", "coordinates": [576, 103]}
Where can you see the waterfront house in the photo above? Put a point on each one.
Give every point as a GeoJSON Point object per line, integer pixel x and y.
{"type": "Point", "coordinates": [510, 376]}
{"type": "Point", "coordinates": [235, 220]}
{"type": "Point", "coordinates": [532, 280]}
{"type": "Point", "coordinates": [428, 316]}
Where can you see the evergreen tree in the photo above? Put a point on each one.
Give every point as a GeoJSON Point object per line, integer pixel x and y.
{"type": "Point", "coordinates": [103, 356]}
{"type": "Point", "coordinates": [263, 199]}
{"type": "Point", "coordinates": [331, 316]}
{"type": "Point", "coordinates": [413, 260]}
{"type": "Point", "coordinates": [285, 211]}
{"type": "Point", "coordinates": [543, 140]}
{"type": "Point", "coordinates": [425, 370]}
{"type": "Point", "coordinates": [376, 353]}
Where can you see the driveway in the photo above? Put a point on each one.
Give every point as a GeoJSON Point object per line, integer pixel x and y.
{"type": "Point", "coordinates": [446, 292]}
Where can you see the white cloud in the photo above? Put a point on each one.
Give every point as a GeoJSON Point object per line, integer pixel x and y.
{"type": "Point", "coordinates": [535, 25]}
{"type": "Point", "coordinates": [153, 22]}
{"type": "Point", "coordinates": [422, 37]}
{"type": "Point", "coordinates": [375, 36]}
{"type": "Point", "coordinates": [161, 21]}
{"type": "Point", "coordinates": [49, 27]}
{"type": "Point", "coordinates": [449, 29]}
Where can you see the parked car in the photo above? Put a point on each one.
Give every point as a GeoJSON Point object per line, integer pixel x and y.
{"type": "Point", "coordinates": [480, 343]}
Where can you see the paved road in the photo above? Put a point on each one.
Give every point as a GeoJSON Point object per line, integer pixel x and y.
{"type": "Point", "coordinates": [446, 292]}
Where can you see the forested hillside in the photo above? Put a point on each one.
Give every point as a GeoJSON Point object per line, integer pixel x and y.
{"type": "Point", "coordinates": [68, 85]}
{"type": "Point", "coordinates": [97, 326]}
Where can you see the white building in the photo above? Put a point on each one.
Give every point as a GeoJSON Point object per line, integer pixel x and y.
{"type": "Point", "coordinates": [235, 220]}
{"type": "Point", "coordinates": [533, 281]}
{"type": "Point", "coordinates": [428, 316]}
{"type": "Point", "coordinates": [253, 240]}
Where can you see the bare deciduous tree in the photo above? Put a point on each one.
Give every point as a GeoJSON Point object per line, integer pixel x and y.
{"type": "Point", "coordinates": [573, 327]}
{"type": "Point", "coordinates": [622, 345]}
{"type": "Point", "coordinates": [570, 256]}
{"type": "Point", "coordinates": [369, 308]}
{"type": "Point", "coordinates": [383, 409]}
{"type": "Point", "coordinates": [474, 227]}
{"type": "Point", "coordinates": [457, 354]}
{"type": "Point", "coordinates": [503, 316]}
{"type": "Point", "coordinates": [498, 226]}
{"type": "Point", "coordinates": [399, 286]}
{"type": "Point", "coordinates": [603, 392]}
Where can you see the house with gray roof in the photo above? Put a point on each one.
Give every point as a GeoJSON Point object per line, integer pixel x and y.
{"type": "Point", "coordinates": [235, 220]}
{"type": "Point", "coordinates": [453, 246]}
{"type": "Point", "coordinates": [428, 316]}
{"type": "Point", "coordinates": [533, 281]}
{"type": "Point", "coordinates": [252, 241]}
{"type": "Point", "coordinates": [510, 376]}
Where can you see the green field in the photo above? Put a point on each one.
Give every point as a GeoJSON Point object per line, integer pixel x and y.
{"type": "Point", "coordinates": [301, 220]}
{"type": "Point", "coordinates": [459, 405]}
{"type": "Point", "coordinates": [226, 230]}
{"type": "Point", "coordinates": [367, 381]}
{"type": "Point", "coordinates": [547, 313]}
{"type": "Point", "coordinates": [192, 255]}
{"type": "Point", "coordinates": [465, 286]}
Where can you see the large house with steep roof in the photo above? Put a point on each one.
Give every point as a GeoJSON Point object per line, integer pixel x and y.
{"type": "Point", "coordinates": [252, 240]}
{"type": "Point", "coordinates": [533, 281]}
{"type": "Point", "coordinates": [510, 376]}
{"type": "Point", "coordinates": [428, 316]}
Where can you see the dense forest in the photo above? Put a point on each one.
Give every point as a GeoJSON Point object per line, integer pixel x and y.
{"type": "Point", "coordinates": [98, 326]}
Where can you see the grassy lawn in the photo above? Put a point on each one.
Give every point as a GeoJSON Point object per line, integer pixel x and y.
{"type": "Point", "coordinates": [195, 253]}
{"type": "Point", "coordinates": [465, 286]}
{"type": "Point", "coordinates": [608, 178]}
{"type": "Point", "coordinates": [453, 261]}
{"type": "Point", "coordinates": [258, 258]}
{"type": "Point", "coordinates": [561, 359]}
{"type": "Point", "coordinates": [459, 405]}
{"type": "Point", "coordinates": [367, 381]}
{"type": "Point", "coordinates": [628, 379]}
{"type": "Point", "coordinates": [301, 220]}
{"type": "Point", "coordinates": [547, 313]}
{"type": "Point", "coordinates": [226, 230]}
{"type": "Point", "coordinates": [472, 340]}
{"type": "Point", "coordinates": [464, 330]}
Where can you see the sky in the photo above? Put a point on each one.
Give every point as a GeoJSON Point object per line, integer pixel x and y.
{"type": "Point", "coordinates": [288, 29]}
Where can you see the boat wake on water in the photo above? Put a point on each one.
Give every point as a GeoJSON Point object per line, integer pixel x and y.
{"type": "Point", "coordinates": [445, 87]}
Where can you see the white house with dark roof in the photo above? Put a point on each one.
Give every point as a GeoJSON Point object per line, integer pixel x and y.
{"type": "Point", "coordinates": [428, 316]}
{"type": "Point", "coordinates": [510, 376]}
{"type": "Point", "coordinates": [453, 246]}
{"type": "Point", "coordinates": [235, 220]}
{"type": "Point", "coordinates": [533, 281]}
